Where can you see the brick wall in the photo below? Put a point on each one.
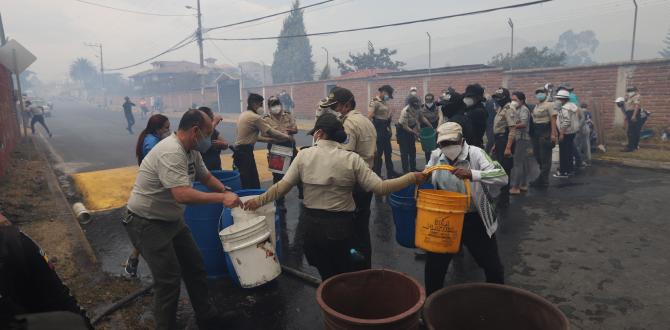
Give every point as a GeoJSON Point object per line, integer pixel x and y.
{"type": "Point", "coordinates": [596, 85]}
{"type": "Point", "coordinates": [8, 125]}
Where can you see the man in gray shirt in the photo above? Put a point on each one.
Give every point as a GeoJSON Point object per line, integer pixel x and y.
{"type": "Point", "coordinates": [155, 223]}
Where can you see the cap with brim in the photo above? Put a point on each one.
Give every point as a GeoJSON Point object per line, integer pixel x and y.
{"type": "Point", "coordinates": [631, 89]}
{"type": "Point", "coordinates": [449, 131]}
{"type": "Point", "coordinates": [326, 122]}
{"type": "Point", "coordinates": [337, 95]}
{"type": "Point", "coordinates": [541, 90]}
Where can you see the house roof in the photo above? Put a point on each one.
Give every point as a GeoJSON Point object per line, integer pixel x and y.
{"type": "Point", "coordinates": [164, 67]}
{"type": "Point", "coordinates": [367, 73]}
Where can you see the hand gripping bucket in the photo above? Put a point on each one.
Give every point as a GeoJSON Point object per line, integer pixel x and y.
{"type": "Point", "coordinates": [439, 217]}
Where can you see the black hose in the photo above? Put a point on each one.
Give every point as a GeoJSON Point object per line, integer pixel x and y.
{"type": "Point", "coordinates": [309, 279]}
{"type": "Point", "coordinates": [117, 305]}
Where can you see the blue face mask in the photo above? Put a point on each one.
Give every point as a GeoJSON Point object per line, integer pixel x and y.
{"type": "Point", "coordinates": [541, 96]}
{"type": "Point", "coordinates": [386, 98]}
{"type": "Point", "coordinates": [204, 144]}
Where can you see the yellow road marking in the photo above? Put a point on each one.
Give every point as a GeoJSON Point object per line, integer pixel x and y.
{"type": "Point", "coordinates": [110, 189]}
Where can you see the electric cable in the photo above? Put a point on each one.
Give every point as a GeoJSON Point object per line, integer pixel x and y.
{"type": "Point", "coordinates": [137, 12]}
{"type": "Point", "coordinates": [183, 43]}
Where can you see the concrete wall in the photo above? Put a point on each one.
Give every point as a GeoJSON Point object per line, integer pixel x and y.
{"type": "Point", "coordinates": [9, 132]}
{"type": "Point", "coordinates": [596, 85]}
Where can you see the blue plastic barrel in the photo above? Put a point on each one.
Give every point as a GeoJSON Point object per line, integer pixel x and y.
{"type": "Point", "coordinates": [203, 220]}
{"type": "Point", "coordinates": [227, 220]}
{"type": "Point", "coordinates": [403, 208]}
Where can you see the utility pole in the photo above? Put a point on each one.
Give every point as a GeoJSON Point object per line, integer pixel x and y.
{"type": "Point", "coordinates": [198, 35]}
{"type": "Point", "coordinates": [327, 57]}
{"type": "Point", "coordinates": [429, 53]}
{"type": "Point", "coordinates": [511, 52]}
{"type": "Point", "coordinates": [102, 74]}
{"type": "Point", "coordinates": [632, 48]}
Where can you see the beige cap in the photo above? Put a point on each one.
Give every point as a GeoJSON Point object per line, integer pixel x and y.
{"type": "Point", "coordinates": [449, 131]}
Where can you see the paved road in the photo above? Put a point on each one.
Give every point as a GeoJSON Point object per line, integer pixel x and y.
{"type": "Point", "coordinates": [90, 139]}
{"type": "Point", "coordinates": [595, 245]}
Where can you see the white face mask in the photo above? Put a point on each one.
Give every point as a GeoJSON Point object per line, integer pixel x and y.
{"type": "Point", "coordinates": [514, 104]}
{"type": "Point", "coordinates": [429, 104]}
{"type": "Point", "coordinates": [469, 101]}
{"type": "Point", "coordinates": [275, 110]}
{"type": "Point", "coordinates": [631, 93]}
{"type": "Point", "coordinates": [452, 152]}
{"type": "Point", "coordinates": [314, 138]}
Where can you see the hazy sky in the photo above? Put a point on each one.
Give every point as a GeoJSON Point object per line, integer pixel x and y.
{"type": "Point", "coordinates": [55, 30]}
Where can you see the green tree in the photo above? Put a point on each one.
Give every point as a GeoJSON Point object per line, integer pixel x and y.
{"type": "Point", "coordinates": [578, 47]}
{"type": "Point", "coordinates": [325, 73]}
{"type": "Point", "coordinates": [369, 60]}
{"type": "Point", "coordinates": [529, 57]}
{"type": "Point", "coordinates": [293, 57]}
{"type": "Point", "coordinates": [666, 51]}
{"type": "Point", "coordinates": [84, 71]}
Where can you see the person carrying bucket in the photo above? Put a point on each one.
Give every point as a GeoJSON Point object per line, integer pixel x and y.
{"type": "Point", "coordinates": [407, 131]}
{"type": "Point", "coordinates": [485, 177]}
{"type": "Point", "coordinates": [329, 174]}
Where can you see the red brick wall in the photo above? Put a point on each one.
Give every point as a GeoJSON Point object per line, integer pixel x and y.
{"type": "Point", "coordinates": [8, 125]}
{"type": "Point", "coordinates": [596, 85]}
{"type": "Point", "coordinates": [653, 81]}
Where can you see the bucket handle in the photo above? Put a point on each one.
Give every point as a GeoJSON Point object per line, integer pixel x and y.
{"type": "Point", "coordinates": [450, 168]}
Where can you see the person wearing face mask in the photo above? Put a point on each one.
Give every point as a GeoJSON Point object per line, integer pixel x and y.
{"type": "Point", "coordinates": [330, 173]}
{"type": "Point", "coordinates": [154, 220]}
{"type": "Point", "coordinates": [380, 114]}
{"type": "Point", "coordinates": [633, 112]}
{"type": "Point", "coordinates": [408, 132]}
{"type": "Point", "coordinates": [158, 128]}
{"type": "Point", "coordinates": [568, 124]}
{"type": "Point", "coordinates": [212, 157]}
{"type": "Point", "coordinates": [504, 129]}
{"type": "Point", "coordinates": [474, 109]}
{"type": "Point", "coordinates": [486, 178]}
{"type": "Point", "coordinates": [545, 136]}
{"type": "Point", "coordinates": [430, 111]}
{"type": "Point", "coordinates": [525, 168]}
{"type": "Point", "coordinates": [412, 92]}
{"type": "Point", "coordinates": [362, 140]}
{"type": "Point", "coordinates": [453, 110]}
{"type": "Point", "coordinates": [280, 121]}
{"type": "Point", "coordinates": [249, 124]}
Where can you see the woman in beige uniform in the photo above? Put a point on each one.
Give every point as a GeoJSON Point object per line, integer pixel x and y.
{"type": "Point", "coordinates": [329, 174]}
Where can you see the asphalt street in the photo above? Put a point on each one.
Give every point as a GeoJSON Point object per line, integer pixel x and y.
{"type": "Point", "coordinates": [596, 245]}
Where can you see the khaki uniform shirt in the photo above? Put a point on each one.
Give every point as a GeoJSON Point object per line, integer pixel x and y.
{"type": "Point", "coordinates": [361, 135]}
{"type": "Point", "coordinates": [505, 118]}
{"type": "Point", "coordinates": [379, 109]}
{"type": "Point", "coordinates": [167, 166]}
{"type": "Point", "coordinates": [632, 101]}
{"type": "Point", "coordinates": [410, 117]}
{"type": "Point", "coordinates": [284, 123]}
{"type": "Point", "coordinates": [249, 124]}
{"type": "Point", "coordinates": [568, 118]}
{"type": "Point", "coordinates": [543, 112]}
{"type": "Point", "coordinates": [329, 174]}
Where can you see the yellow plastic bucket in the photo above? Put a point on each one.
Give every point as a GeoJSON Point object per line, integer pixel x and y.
{"type": "Point", "coordinates": [439, 217]}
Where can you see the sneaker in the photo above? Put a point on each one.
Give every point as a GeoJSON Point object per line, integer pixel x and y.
{"type": "Point", "coordinates": [561, 175]}
{"type": "Point", "coordinates": [514, 191]}
{"type": "Point", "coordinates": [131, 266]}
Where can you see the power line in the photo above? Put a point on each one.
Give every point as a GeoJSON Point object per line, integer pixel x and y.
{"type": "Point", "coordinates": [183, 43]}
{"type": "Point", "coordinates": [137, 12]}
{"type": "Point", "coordinates": [391, 24]}
{"type": "Point", "coordinates": [267, 16]}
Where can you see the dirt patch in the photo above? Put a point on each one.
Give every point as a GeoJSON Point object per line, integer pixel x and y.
{"type": "Point", "coordinates": [33, 202]}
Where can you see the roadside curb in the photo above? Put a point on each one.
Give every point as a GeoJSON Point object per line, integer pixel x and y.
{"type": "Point", "coordinates": [53, 182]}
{"type": "Point", "coordinates": [631, 162]}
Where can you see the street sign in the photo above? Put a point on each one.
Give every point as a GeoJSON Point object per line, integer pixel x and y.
{"type": "Point", "coordinates": [24, 58]}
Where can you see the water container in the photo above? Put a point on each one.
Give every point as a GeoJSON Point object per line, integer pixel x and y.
{"type": "Point", "coordinates": [491, 306]}
{"type": "Point", "coordinates": [227, 220]}
{"type": "Point", "coordinates": [203, 221]}
{"type": "Point", "coordinates": [371, 299]}
{"type": "Point", "coordinates": [428, 139]}
{"type": "Point", "coordinates": [248, 246]}
{"type": "Point", "coordinates": [403, 208]}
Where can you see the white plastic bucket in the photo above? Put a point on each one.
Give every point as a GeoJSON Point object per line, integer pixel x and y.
{"type": "Point", "coordinates": [251, 252]}
{"type": "Point", "coordinates": [267, 211]}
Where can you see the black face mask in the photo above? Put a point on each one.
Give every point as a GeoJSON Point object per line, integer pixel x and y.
{"type": "Point", "coordinates": [502, 102]}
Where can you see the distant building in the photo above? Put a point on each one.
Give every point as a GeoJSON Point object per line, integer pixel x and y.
{"type": "Point", "coordinates": [170, 76]}
{"type": "Point", "coordinates": [255, 74]}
